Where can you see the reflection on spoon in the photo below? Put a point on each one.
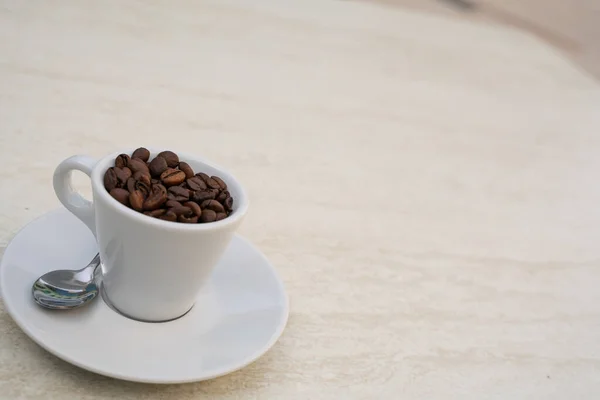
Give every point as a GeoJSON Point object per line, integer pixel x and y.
{"type": "Point", "coordinates": [66, 289]}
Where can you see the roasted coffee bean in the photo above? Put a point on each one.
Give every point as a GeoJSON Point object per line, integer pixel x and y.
{"type": "Point", "coordinates": [172, 177]}
{"type": "Point", "coordinates": [217, 207]}
{"type": "Point", "coordinates": [223, 196]}
{"type": "Point", "coordinates": [194, 207]}
{"type": "Point", "coordinates": [202, 195]}
{"type": "Point", "coordinates": [157, 166]}
{"type": "Point", "coordinates": [142, 177]}
{"type": "Point", "coordinates": [171, 158]}
{"type": "Point", "coordinates": [228, 203]}
{"type": "Point", "coordinates": [173, 203]}
{"type": "Point", "coordinates": [196, 183]}
{"type": "Point", "coordinates": [203, 176]}
{"type": "Point", "coordinates": [122, 160]}
{"type": "Point", "coordinates": [211, 193]}
{"type": "Point", "coordinates": [181, 210]}
{"type": "Point", "coordinates": [156, 213]}
{"type": "Point", "coordinates": [123, 174]}
{"type": "Point", "coordinates": [121, 195]}
{"type": "Point", "coordinates": [185, 167]}
{"type": "Point", "coordinates": [208, 216]}
{"type": "Point", "coordinates": [131, 185]}
{"type": "Point", "coordinates": [143, 187]}
{"type": "Point", "coordinates": [136, 200]}
{"type": "Point", "coordinates": [135, 165]}
{"type": "Point", "coordinates": [110, 179]}
{"type": "Point", "coordinates": [213, 184]}
{"type": "Point", "coordinates": [213, 205]}
{"type": "Point", "coordinates": [141, 153]}
{"type": "Point", "coordinates": [188, 219]}
{"type": "Point", "coordinates": [221, 216]}
{"type": "Point", "coordinates": [156, 198]}
{"type": "Point", "coordinates": [179, 193]}
{"type": "Point", "coordinates": [222, 185]}
{"type": "Point", "coordinates": [169, 216]}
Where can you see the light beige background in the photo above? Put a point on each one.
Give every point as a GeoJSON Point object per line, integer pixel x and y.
{"type": "Point", "coordinates": [572, 27]}
{"type": "Point", "coordinates": [427, 186]}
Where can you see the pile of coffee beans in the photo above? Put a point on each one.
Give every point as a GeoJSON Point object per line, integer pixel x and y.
{"type": "Point", "coordinates": [167, 188]}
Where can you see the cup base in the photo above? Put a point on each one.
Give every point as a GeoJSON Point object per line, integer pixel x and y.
{"type": "Point", "coordinates": [115, 309]}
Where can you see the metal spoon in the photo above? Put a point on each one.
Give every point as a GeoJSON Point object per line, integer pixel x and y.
{"type": "Point", "coordinates": [66, 289]}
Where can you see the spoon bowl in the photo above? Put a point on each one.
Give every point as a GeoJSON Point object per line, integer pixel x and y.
{"type": "Point", "coordinates": [67, 289]}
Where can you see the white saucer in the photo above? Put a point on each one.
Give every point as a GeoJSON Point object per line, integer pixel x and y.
{"type": "Point", "coordinates": [238, 316]}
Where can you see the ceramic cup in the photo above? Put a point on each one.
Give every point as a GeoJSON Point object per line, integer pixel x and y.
{"type": "Point", "coordinates": [152, 270]}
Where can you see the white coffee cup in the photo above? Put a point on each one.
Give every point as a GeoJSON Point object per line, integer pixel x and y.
{"type": "Point", "coordinates": [152, 270]}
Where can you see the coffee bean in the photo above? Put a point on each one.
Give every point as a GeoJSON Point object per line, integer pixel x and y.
{"type": "Point", "coordinates": [136, 199]}
{"type": "Point", "coordinates": [171, 158]}
{"type": "Point", "coordinates": [169, 216]}
{"type": "Point", "coordinates": [203, 176]}
{"type": "Point", "coordinates": [131, 185]}
{"type": "Point", "coordinates": [228, 203]}
{"type": "Point", "coordinates": [221, 216]}
{"type": "Point", "coordinates": [156, 213]}
{"type": "Point", "coordinates": [142, 153]}
{"type": "Point", "coordinates": [213, 184]}
{"type": "Point", "coordinates": [222, 185]}
{"type": "Point", "coordinates": [196, 183]}
{"type": "Point", "coordinates": [143, 187]}
{"type": "Point", "coordinates": [181, 210]}
{"type": "Point", "coordinates": [123, 174]}
{"type": "Point", "coordinates": [179, 193]}
{"type": "Point", "coordinates": [213, 205]}
{"type": "Point", "coordinates": [223, 196]}
{"type": "Point", "coordinates": [194, 207]}
{"type": "Point", "coordinates": [202, 195]}
{"type": "Point", "coordinates": [110, 179]}
{"type": "Point", "coordinates": [158, 166]}
{"type": "Point", "coordinates": [135, 164]}
{"type": "Point", "coordinates": [121, 195]}
{"type": "Point", "coordinates": [142, 177]}
{"type": "Point", "coordinates": [172, 177]}
{"type": "Point", "coordinates": [188, 219]}
{"type": "Point", "coordinates": [122, 160]}
{"type": "Point", "coordinates": [156, 198]}
{"type": "Point", "coordinates": [185, 167]}
{"type": "Point", "coordinates": [173, 203]}
{"type": "Point", "coordinates": [208, 216]}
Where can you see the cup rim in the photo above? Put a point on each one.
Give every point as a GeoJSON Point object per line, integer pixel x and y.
{"type": "Point", "coordinates": [240, 207]}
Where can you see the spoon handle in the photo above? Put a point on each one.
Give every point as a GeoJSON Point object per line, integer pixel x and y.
{"type": "Point", "coordinates": [96, 263]}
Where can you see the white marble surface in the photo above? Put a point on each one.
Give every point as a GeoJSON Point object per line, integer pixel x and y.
{"type": "Point", "coordinates": [427, 188]}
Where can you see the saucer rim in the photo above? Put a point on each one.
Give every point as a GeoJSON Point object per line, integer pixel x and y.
{"type": "Point", "coordinates": [277, 333]}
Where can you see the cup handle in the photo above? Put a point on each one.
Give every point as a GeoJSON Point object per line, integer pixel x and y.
{"type": "Point", "coordinates": [73, 201]}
